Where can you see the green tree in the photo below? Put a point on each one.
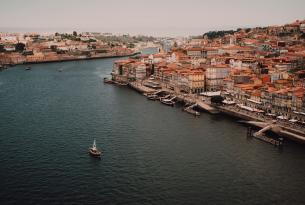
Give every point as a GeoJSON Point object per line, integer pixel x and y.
{"type": "Point", "coordinates": [2, 48]}
{"type": "Point", "coordinates": [248, 30]}
{"type": "Point", "coordinates": [217, 99]}
{"type": "Point", "coordinates": [175, 44]}
{"type": "Point", "coordinates": [20, 47]}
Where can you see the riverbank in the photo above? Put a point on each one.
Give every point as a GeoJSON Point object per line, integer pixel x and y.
{"type": "Point", "coordinates": [74, 58]}
{"type": "Point", "coordinates": [83, 58]}
{"type": "Point", "coordinates": [289, 131]}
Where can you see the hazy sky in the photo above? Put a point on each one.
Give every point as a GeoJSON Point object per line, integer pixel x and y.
{"type": "Point", "coordinates": [154, 17]}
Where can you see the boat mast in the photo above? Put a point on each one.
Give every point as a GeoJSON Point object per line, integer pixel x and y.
{"type": "Point", "coordinates": [94, 144]}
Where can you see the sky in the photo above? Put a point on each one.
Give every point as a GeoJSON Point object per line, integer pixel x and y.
{"type": "Point", "coordinates": [149, 17]}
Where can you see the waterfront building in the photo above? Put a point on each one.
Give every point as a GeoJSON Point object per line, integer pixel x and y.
{"type": "Point", "coordinates": [189, 80]}
{"type": "Point", "coordinates": [215, 76]}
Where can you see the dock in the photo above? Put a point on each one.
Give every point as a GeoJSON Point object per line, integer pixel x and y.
{"type": "Point", "coordinates": [260, 135]}
{"type": "Point", "coordinates": [199, 103]}
{"type": "Point", "coordinates": [282, 131]}
{"type": "Point", "coordinates": [141, 88]}
{"type": "Point", "coordinates": [207, 107]}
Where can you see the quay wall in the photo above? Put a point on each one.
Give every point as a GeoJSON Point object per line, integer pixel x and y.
{"type": "Point", "coordinates": [238, 115]}
{"type": "Point", "coordinates": [140, 88]}
{"type": "Point", "coordinates": [76, 59]}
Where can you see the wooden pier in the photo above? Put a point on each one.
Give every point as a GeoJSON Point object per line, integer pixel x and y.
{"type": "Point", "coordinates": [263, 137]}
{"type": "Point", "coordinates": [207, 107]}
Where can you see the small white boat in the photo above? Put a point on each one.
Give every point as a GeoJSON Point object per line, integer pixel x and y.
{"type": "Point", "coordinates": [168, 102]}
{"type": "Point", "coordinates": [94, 152]}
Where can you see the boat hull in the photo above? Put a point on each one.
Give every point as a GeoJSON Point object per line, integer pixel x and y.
{"type": "Point", "coordinates": [168, 103]}
{"type": "Point", "coordinates": [96, 154]}
{"type": "Point", "coordinates": [108, 81]}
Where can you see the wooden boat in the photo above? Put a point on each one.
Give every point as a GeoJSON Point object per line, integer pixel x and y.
{"type": "Point", "coordinates": [167, 102]}
{"type": "Point", "coordinates": [94, 152]}
{"type": "Point", "coordinates": [191, 111]}
{"type": "Point", "coordinates": [121, 83]}
{"type": "Point", "coordinates": [28, 68]}
{"type": "Point", "coordinates": [152, 97]}
{"type": "Point", "coordinates": [108, 81]}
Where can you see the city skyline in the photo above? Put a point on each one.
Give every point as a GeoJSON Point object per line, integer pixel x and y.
{"type": "Point", "coordinates": [155, 18]}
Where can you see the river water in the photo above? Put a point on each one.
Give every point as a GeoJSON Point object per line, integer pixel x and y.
{"type": "Point", "coordinates": [152, 154]}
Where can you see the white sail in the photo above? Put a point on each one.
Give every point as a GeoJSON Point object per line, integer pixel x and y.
{"type": "Point", "coordinates": [94, 145]}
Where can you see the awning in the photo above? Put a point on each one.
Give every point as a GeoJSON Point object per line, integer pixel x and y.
{"type": "Point", "coordinates": [301, 113]}
{"type": "Point", "coordinates": [282, 117]}
{"type": "Point", "coordinates": [210, 94]}
{"type": "Point", "coordinates": [254, 101]}
{"type": "Point", "coordinates": [228, 102]}
{"type": "Point", "coordinates": [245, 107]}
{"type": "Point", "coordinates": [257, 110]}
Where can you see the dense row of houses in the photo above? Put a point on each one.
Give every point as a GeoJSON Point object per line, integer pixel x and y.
{"type": "Point", "coordinates": [41, 48]}
{"type": "Point", "coordinates": [260, 68]}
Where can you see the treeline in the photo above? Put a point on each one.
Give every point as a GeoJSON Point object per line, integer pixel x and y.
{"type": "Point", "coordinates": [218, 34]}
{"type": "Point", "coordinates": [126, 39]}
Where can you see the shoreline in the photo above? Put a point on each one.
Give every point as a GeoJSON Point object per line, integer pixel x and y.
{"type": "Point", "coordinates": [288, 132]}
{"type": "Point", "coordinates": [69, 59]}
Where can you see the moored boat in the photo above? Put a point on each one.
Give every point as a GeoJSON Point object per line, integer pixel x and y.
{"type": "Point", "coordinates": [168, 102]}
{"type": "Point", "coordinates": [120, 83]}
{"type": "Point", "coordinates": [106, 80]}
{"type": "Point", "coordinates": [152, 97]}
{"type": "Point", "coordinates": [191, 111]}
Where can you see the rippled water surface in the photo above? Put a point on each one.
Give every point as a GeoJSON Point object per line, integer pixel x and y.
{"type": "Point", "coordinates": [153, 154]}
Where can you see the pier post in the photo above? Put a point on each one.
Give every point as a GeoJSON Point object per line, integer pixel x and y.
{"type": "Point", "coordinates": [249, 132]}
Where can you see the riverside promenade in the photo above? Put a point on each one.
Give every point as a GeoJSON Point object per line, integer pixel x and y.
{"type": "Point", "coordinates": [292, 131]}
{"type": "Point", "coordinates": [198, 100]}
{"type": "Point", "coordinates": [141, 88]}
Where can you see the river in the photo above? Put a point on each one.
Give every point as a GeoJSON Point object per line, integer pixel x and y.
{"type": "Point", "coordinates": [152, 154]}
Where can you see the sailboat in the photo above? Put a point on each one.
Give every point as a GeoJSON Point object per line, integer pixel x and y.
{"type": "Point", "coordinates": [93, 151]}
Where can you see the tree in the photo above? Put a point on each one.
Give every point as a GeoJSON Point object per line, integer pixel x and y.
{"type": "Point", "coordinates": [92, 40]}
{"type": "Point", "coordinates": [20, 47]}
{"type": "Point", "coordinates": [2, 48]}
{"type": "Point", "coordinates": [218, 34]}
{"type": "Point", "coordinates": [74, 33]}
{"type": "Point", "coordinates": [53, 47]}
{"type": "Point", "coordinates": [248, 30]}
{"type": "Point", "coordinates": [175, 44]}
{"type": "Point", "coordinates": [217, 99]}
